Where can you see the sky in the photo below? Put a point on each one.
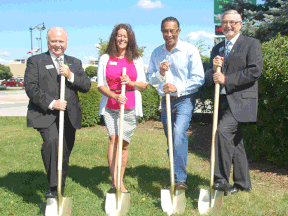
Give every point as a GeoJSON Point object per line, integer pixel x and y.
{"type": "Point", "coordinates": [88, 20]}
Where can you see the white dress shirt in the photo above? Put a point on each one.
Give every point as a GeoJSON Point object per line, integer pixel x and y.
{"type": "Point", "coordinates": [186, 68]}
{"type": "Point", "coordinates": [55, 63]}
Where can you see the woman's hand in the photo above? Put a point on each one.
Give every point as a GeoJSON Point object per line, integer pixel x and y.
{"type": "Point", "coordinates": [125, 79]}
{"type": "Point", "coordinates": [120, 98]}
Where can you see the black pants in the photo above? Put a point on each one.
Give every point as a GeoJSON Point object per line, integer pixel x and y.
{"type": "Point", "coordinates": [49, 149]}
{"type": "Point", "coordinates": [229, 148]}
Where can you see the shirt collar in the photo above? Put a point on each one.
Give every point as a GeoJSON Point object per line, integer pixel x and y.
{"type": "Point", "coordinates": [233, 40]}
{"type": "Point", "coordinates": [179, 46]}
{"type": "Point", "coordinates": [54, 57]}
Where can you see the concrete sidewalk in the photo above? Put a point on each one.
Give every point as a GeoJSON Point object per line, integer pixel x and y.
{"type": "Point", "coordinates": [13, 103]}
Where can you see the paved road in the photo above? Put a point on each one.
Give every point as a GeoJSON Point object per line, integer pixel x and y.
{"type": "Point", "coordinates": [13, 102]}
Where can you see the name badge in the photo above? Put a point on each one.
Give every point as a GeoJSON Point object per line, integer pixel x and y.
{"type": "Point", "coordinates": [112, 63]}
{"type": "Point", "coordinates": [49, 66]}
{"type": "Point", "coordinates": [221, 49]}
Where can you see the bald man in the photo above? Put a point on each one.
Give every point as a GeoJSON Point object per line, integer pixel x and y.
{"type": "Point", "coordinates": [42, 85]}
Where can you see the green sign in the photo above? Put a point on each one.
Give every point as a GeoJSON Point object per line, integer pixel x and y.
{"type": "Point", "coordinates": [218, 9]}
{"type": "Point", "coordinates": [218, 40]}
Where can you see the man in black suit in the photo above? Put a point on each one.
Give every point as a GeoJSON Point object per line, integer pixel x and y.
{"type": "Point", "coordinates": [42, 85]}
{"type": "Point", "coordinates": [240, 58]}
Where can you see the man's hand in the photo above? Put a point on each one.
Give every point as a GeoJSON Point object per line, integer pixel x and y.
{"type": "Point", "coordinates": [168, 87]}
{"type": "Point", "coordinates": [60, 105]}
{"type": "Point", "coordinates": [217, 62]}
{"type": "Point", "coordinates": [218, 77]}
{"type": "Point", "coordinates": [164, 67]}
{"type": "Point", "coordinates": [65, 71]}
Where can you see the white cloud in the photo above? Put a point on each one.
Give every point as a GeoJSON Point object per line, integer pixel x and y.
{"type": "Point", "coordinates": [97, 45]}
{"type": "Point", "coordinates": [198, 34]}
{"type": "Point", "coordinates": [4, 53]}
{"type": "Point", "coordinates": [2, 61]}
{"type": "Point", "coordinates": [147, 4]}
{"type": "Point", "coordinates": [91, 58]}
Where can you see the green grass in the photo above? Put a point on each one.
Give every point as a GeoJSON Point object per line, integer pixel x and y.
{"type": "Point", "coordinates": [23, 179]}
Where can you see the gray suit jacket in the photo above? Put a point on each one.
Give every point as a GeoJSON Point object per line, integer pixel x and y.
{"type": "Point", "coordinates": [242, 69]}
{"type": "Point", "coordinates": [42, 87]}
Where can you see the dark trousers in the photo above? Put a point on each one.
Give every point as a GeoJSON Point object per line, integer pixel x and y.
{"type": "Point", "coordinates": [229, 148]}
{"type": "Point", "coordinates": [49, 149]}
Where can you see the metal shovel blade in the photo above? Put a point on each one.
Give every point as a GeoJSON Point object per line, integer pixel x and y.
{"type": "Point", "coordinates": [210, 203]}
{"type": "Point", "coordinates": [111, 204]}
{"type": "Point", "coordinates": [174, 204]}
{"type": "Point", "coordinates": [52, 207]}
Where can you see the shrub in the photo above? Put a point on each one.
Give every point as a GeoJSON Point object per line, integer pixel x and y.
{"type": "Point", "coordinates": [91, 71]}
{"type": "Point", "coordinates": [268, 139]}
{"type": "Point", "coordinates": [150, 104]}
{"type": "Point", "coordinates": [90, 102]}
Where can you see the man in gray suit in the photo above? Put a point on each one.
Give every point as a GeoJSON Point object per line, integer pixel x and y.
{"type": "Point", "coordinates": [42, 85]}
{"type": "Point", "coordinates": [240, 58]}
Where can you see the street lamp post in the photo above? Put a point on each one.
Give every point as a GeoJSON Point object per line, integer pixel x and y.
{"type": "Point", "coordinates": [40, 29]}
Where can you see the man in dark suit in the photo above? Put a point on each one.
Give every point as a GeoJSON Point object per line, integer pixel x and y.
{"type": "Point", "coordinates": [240, 58]}
{"type": "Point", "coordinates": [42, 85]}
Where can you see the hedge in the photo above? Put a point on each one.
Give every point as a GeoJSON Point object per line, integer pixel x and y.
{"type": "Point", "coordinates": [268, 139]}
{"type": "Point", "coordinates": [90, 102]}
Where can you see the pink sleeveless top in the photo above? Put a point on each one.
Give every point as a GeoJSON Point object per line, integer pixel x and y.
{"type": "Point", "coordinates": [113, 72]}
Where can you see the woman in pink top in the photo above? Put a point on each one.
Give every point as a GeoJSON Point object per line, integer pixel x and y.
{"type": "Point", "coordinates": [121, 52]}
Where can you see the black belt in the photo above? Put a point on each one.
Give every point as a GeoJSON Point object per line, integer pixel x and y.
{"type": "Point", "coordinates": [171, 97]}
{"type": "Point", "coordinates": [120, 90]}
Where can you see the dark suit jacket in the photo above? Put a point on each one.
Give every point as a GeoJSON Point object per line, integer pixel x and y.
{"type": "Point", "coordinates": [42, 87]}
{"type": "Point", "coordinates": [242, 69]}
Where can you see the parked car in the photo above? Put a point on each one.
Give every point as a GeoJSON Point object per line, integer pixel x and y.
{"type": "Point", "coordinates": [12, 82]}
{"type": "Point", "coordinates": [93, 79]}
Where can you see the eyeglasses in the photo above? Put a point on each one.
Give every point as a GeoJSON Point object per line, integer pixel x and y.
{"type": "Point", "coordinates": [172, 31]}
{"type": "Point", "coordinates": [232, 22]}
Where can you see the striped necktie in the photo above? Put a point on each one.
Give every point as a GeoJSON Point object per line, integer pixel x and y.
{"type": "Point", "coordinates": [228, 48]}
{"type": "Point", "coordinates": [58, 64]}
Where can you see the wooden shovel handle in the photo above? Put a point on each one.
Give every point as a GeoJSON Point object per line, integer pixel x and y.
{"type": "Point", "coordinates": [60, 141]}
{"type": "Point", "coordinates": [170, 139]}
{"type": "Point", "coordinates": [214, 129]}
{"type": "Point", "coordinates": [120, 141]}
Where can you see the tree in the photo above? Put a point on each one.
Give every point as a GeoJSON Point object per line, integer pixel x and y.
{"type": "Point", "coordinates": [5, 72]}
{"type": "Point", "coordinates": [262, 21]}
{"type": "Point", "coordinates": [91, 71]}
{"type": "Point", "coordinates": [102, 47]}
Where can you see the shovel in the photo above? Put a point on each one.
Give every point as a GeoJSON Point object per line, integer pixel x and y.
{"type": "Point", "coordinates": [118, 203]}
{"type": "Point", "coordinates": [60, 205]}
{"type": "Point", "coordinates": [210, 201]}
{"type": "Point", "coordinates": [172, 201]}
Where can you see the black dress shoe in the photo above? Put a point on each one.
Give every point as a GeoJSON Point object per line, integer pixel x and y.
{"type": "Point", "coordinates": [235, 189]}
{"type": "Point", "coordinates": [51, 193]}
{"type": "Point", "coordinates": [221, 187]}
{"type": "Point", "coordinates": [180, 186]}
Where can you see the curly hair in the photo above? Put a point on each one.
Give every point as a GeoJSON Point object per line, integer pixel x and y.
{"type": "Point", "coordinates": [131, 49]}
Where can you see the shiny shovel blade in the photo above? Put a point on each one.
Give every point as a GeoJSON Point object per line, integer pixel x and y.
{"type": "Point", "coordinates": [110, 204]}
{"type": "Point", "coordinates": [52, 207]}
{"type": "Point", "coordinates": [204, 205]}
{"type": "Point", "coordinates": [177, 206]}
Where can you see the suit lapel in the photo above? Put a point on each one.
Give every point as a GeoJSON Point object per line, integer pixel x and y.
{"type": "Point", "coordinates": [52, 71]}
